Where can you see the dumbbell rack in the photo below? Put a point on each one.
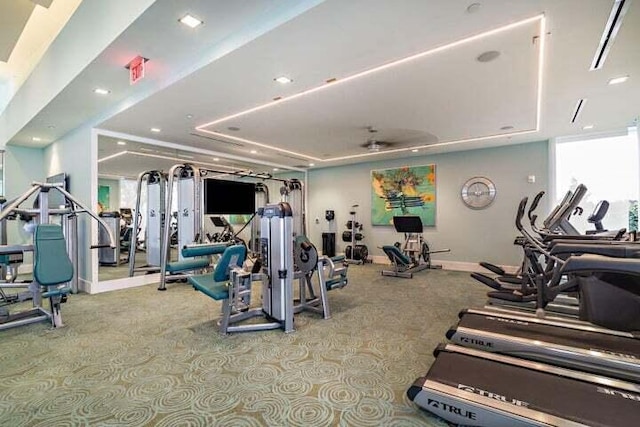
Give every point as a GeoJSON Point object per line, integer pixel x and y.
{"type": "Point", "coordinates": [354, 253]}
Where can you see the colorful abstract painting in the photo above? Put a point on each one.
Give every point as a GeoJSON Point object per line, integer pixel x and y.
{"type": "Point", "coordinates": [409, 190]}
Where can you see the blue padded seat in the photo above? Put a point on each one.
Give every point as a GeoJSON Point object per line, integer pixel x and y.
{"type": "Point", "coordinates": [205, 284]}
{"type": "Point", "coordinates": [216, 285]}
{"type": "Point", "coordinates": [51, 262]}
{"type": "Point", "coordinates": [394, 253]}
{"type": "Point", "coordinates": [186, 265]}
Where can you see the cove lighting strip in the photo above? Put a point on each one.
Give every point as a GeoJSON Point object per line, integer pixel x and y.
{"type": "Point", "coordinates": [542, 35]}
{"type": "Point", "coordinates": [158, 156]}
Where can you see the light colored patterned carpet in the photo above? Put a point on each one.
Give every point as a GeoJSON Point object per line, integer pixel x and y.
{"type": "Point", "coordinates": [142, 357]}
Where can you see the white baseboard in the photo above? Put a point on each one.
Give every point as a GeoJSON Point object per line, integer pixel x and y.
{"type": "Point", "coordinates": [449, 265]}
{"type": "Point", "coordinates": [125, 283]}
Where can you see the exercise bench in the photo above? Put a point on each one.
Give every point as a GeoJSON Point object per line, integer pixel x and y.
{"type": "Point", "coordinates": [402, 264]}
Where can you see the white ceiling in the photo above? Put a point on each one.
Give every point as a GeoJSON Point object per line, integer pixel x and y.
{"type": "Point", "coordinates": [413, 104]}
{"type": "Point", "coordinates": [157, 35]}
{"type": "Point", "coordinates": [445, 96]}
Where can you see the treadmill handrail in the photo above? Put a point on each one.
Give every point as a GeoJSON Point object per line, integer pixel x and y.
{"type": "Point", "coordinates": [543, 367]}
{"type": "Point", "coordinates": [552, 321]}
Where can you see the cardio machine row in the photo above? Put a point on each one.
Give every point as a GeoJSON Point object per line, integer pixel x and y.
{"type": "Point", "coordinates": [513, 367]}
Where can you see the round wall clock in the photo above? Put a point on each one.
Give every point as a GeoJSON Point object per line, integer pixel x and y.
{"type": "Point", "coordinates": [478, 192]}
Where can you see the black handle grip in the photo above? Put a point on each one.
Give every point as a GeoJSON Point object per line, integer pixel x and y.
{"type": "Point", "coordinates": [106, 245]}
{"type": "Point", "coordinates": [535, 202]}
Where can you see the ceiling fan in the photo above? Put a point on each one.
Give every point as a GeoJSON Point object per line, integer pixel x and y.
{"type": "Point", "coordinates": [374, 144]}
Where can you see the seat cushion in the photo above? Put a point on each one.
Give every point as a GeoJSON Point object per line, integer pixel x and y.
{"type": "Point", "coordinates": [51, 264]}
{"type": "Point", "coordinates": [205, 284]}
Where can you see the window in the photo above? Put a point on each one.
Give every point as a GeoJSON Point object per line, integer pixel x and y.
{"type": "Point", "coordinates": [608, 166]}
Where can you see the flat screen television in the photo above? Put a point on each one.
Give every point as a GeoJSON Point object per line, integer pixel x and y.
{"type": "Point", "coordinates": [229, 197]}
{"type": "Point", "coordinates": [56, 199]}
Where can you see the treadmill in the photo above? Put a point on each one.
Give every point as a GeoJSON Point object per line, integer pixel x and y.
{"type": "Point", "coordinates": [475, 388]}
{"type": "Point", "coordinates": [571, 344]}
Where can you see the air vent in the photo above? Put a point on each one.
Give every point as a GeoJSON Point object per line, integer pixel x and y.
{"type": "Point", "coordinates": [237, 144]}
{"type": "Point", "coordinates": [614, 23]}
{"type": "Point", "coordinates": [289, 156]}
{"type": "Point", "coordinates": [578, 110]}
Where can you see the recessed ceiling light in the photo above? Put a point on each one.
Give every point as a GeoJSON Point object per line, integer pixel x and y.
{"type": "Point", "coordinates": [618, 80]}
{"type": "Point", "coordinates": [283, 79]}
{"type": "Point", "coordinates": [189, 116]}
{"type": "Point", "coordinates": [215, 159]}
{"type": "Point", "coordinates": [36, 139]}
{"type": "Point", "coordinates": [253, 151]}
{"type": "Point", "coordinates": [190, 21]}
{"type": "Point", "coordinates": [122, 143]}
{"type": "Point", "coordinates": [587, 127]}
{"type": "Point", "coordinates": [415, 150]}
{"type": "Point", "coordinates": [488, 56]}
{"type": "Point", "coordinates": [101, 91]}
{"type": "Point", "coordinates": [155, 130]}
{"type": "Point", "coordinates": [275, 169]}
{"type": "Point", "coordinates": [312, 164]}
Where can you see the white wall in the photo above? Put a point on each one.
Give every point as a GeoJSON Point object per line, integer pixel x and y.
{"type": "Point", "coordinates": [472, 235]}
{"type": "Point", "coordinates": [72, 155]}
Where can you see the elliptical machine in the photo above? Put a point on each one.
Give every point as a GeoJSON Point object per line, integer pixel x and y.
{"type": "Point", "coordinates": [355, 253]}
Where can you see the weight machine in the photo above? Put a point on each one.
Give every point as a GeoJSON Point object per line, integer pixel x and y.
{"type": "Point", "coordinates": [231, 284]}
{"type": "Point", "coordinates": [284, 260]}
{"type": "Point", "coordinates": [262, 199]}
{"type": "Point", "coordinates": [414, 254]}
{"type": "Point", "coordinates": [156, 190]}
{"type": "Point", "coordinates": [292, 192]}
{"type": "Point", "coordinates": [55, 250]}
{"type": "Point", "coordinates": [190, 180]}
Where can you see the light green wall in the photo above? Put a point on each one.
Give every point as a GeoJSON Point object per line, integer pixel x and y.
{"type": "Point", "coordinates": [22, 166]}
{"type": "Point", "coordinates": [114, 192]}
{"type": "Point", "coordinates": [472, 235]}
